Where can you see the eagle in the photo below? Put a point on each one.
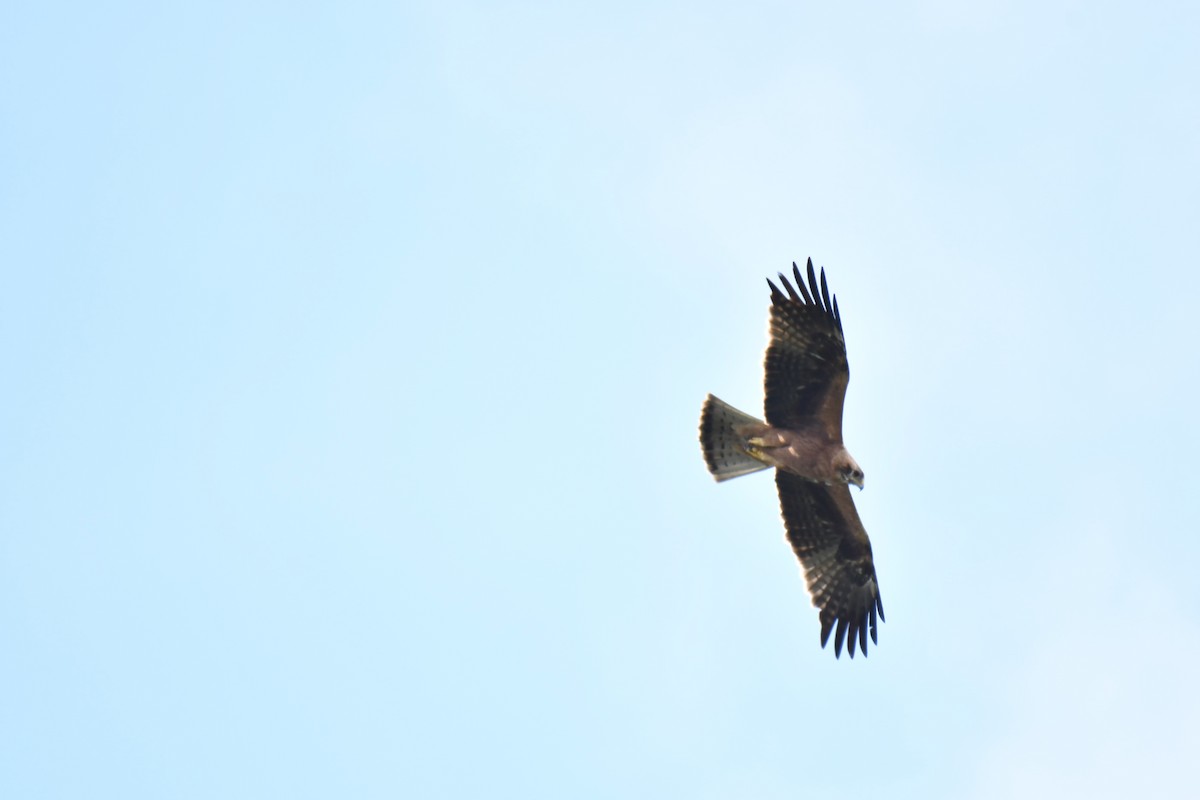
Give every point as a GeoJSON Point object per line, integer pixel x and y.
{"type": "Point", "coordinates": [805, 383]}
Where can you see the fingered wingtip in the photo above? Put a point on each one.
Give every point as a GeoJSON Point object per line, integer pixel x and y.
{"type": "Point", "coordinates": [799, 284]}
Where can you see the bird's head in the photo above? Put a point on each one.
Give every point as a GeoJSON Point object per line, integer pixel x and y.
{"type": "Point", "coordinates": [848, 470]}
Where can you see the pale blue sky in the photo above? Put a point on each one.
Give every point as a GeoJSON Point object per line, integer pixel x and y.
{"type": "Point", "coordinates": [352, 356]}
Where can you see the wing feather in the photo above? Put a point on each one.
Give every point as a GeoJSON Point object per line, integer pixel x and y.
{"type": "Point", "coordinates": [806, 368]}
{"type": "Point", "coordinates": [800, 282]}
{"type": "Point", "coordinates": [825, 293]}
{"type": "Point", "coordinates": [828, 537]}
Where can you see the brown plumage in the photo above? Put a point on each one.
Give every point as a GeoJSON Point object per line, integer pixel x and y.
{"type": "Point", "coordinates": [806, 378]}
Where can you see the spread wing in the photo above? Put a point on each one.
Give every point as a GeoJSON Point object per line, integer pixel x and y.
{"type": "Point", "coordinates": [829, 539]}
{"type": "Point", "coordinates": [806, 369]}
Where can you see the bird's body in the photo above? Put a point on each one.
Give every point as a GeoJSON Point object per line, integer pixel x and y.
{"type": "Point", "coordinates": [808, 452]}
{"type": "Point", "coordinates": [806, 379]}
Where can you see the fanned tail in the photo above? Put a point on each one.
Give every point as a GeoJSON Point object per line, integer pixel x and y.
{"type": "Point", "coordinates": [722, 445]}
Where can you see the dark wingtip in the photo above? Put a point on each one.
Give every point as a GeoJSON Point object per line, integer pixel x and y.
{"type": "Point", "coordinates": [800, 281]}
{"type": "Point", "coordinates": [851, 632]}
{"type": "Point", "coordinates": [791, 292]}
{"type": "Point", "coordinates": [825, 292]}
{"type": "Point", "coordinates": [812, 281]}
{"type": "Point", "coordinates": [775, 293]}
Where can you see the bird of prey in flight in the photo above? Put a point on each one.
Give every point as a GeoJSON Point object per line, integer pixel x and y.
{"type": "Point", "coordinates": [806, 377]}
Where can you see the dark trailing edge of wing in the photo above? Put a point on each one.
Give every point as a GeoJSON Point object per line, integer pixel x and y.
{"type": "Point", "coordinates": [857, 629]}
{"type": "Point", "coordinates": [819, 297]}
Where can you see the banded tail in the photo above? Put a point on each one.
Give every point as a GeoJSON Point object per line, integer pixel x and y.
{"type": "Point", "coordinates": [723, 446]}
